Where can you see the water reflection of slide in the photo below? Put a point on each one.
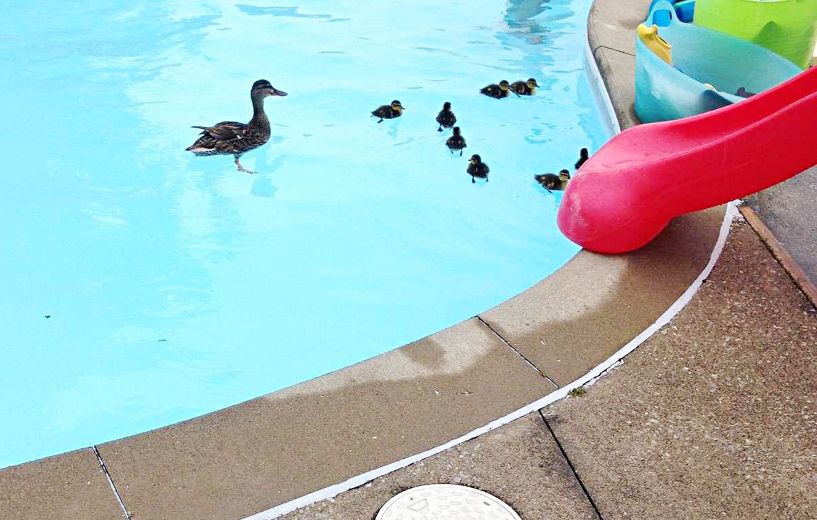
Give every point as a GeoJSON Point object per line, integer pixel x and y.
{"type": "Point", "coordinates": [538, 21]}
{"type": "Point", "coordinates": [649, 174]}
{"type": "Point", "coordinates": [522, 13]}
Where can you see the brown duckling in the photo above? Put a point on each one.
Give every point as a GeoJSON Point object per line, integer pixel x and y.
{"type": "Point", "coordinates": [477, 168]}
{"type": "Point", "coordinates": [234, 138]}
{"type": "Point", "coordinates": [550, 181]}
{"type": "Point", "coordinates": [583, 156]}
{"type": "Point", "coordinates": [496, 91]}
{"type": "Point", "coordinates": [389, 111]}
{"type": "Point", "coordinates": [524, 88]}
{"type": "Point", "coordinates": [456, 141]}
{"type": "Point", "coordinates": [446, 117]}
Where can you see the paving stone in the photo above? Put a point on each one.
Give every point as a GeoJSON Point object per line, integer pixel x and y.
{"type": "Point", "coordinates": [716, 415]}
{"type": "Point", "coordinates": [566, 336]}
{"type": "Point", "coordinates": [788, 210]}
{"type": "Point", "coordinates": [618, 71]}
{"type": "Point", "coordinates": [520, 464]}
{"type": "Point", "coordinates": [70, 486]}
{"type": "Point", "coordinates": [612, 24]}
{"type": "Point", "coordinates": [251, 457]}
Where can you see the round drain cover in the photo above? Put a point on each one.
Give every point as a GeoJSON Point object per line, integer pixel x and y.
{"type": "Point", "coordinates": [445, 502]}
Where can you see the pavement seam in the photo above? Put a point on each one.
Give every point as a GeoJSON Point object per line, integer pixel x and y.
{"type": "Point", "coordinates": [780, 253]}
{"type": "Point", "coordinates": [611, 49]}
{"type": "Point", "coordinates": [111, 483]}
{"type": "Point", "coordinates": [572, 467]}
{"type": "Point", "coordinates": [517, 351]}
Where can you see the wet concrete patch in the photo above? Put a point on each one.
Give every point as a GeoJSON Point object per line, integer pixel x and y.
{"type": "Point", "coordinates": [565, 337]}
{"type": "Point", "coordinates": [249, 458]}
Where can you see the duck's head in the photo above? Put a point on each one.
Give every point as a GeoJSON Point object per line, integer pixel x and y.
{"type": "Point", "coordinates": [475, 159]}
{"type": "Point", "coordinates": [532, 83]}
{"type": "Point", "coordinates": [446, 106]}
{"type": "Point", "coordinates": [397, 107]}
{"type": "Point", "coordinates": [262, 88]}
{"type": "Point", "coordinates": [504, 85]}
{"type": "Point", "coordinates": [456, 130]}
{"type": "Point", "coordinates": [564, 175]}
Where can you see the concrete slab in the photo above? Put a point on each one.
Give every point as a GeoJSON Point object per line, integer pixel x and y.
{"type": "Point", "coordinates": [716, 415]}
{"type": "Point", "coordinates": [611, 33]}
{"type": "Point", "coordinates": [69, 486]}
{"type": "Point", "coordinates": [612, 24]}
{"type": "Point", "coordinates": [520, 463]}
{"type": "Point", "coordinates": [249, 458]}
{"type": "Point", "coordinates": [565, 337]}
{"type": "Point", "coordinates": [788, 210]}
{"type": "Point", "coordinates": [618, 71]}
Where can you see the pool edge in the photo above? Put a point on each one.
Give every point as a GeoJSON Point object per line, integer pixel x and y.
{"type": "Point", "coordinates": [483, 369]}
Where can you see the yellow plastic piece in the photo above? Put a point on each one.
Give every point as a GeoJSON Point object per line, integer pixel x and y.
{"type": "Point", "coordinates": [658, 45]}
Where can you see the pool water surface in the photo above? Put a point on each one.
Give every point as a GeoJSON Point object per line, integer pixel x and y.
{"type": "Point", "coordinates": [143, 285]}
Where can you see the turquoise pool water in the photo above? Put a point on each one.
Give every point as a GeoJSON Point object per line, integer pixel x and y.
{"type": "Point", "coordinates": [143, 285]}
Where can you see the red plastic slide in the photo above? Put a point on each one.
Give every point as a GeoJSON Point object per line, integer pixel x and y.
{"type": "Point", "coordinates": [649, 174]}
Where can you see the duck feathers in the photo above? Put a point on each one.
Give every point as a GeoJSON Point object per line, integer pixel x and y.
{"type": "Point", "coordinates": [224, 130]}
{"type": "Point", "coordinates": [446, 118]}
{"type": "Point", "coordinates": [228, 137]}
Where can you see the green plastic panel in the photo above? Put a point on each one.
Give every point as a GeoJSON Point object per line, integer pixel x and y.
{"type": "Point", "coordinates": [787, 27]}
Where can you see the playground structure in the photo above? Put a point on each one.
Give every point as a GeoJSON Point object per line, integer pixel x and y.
{"type": "Point", "coordinates": [697, 80]}
{"type": "Point", "coordinates": [783, 26]}
{"type": "Point", "coordinates": [628, 192]}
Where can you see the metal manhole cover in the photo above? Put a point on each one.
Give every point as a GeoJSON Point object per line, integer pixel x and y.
{"type": "Point", "coordinates": [445, 502]}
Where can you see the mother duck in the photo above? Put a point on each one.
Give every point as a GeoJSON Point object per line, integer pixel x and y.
{"type": "Point", "coordinates": [234, 138]}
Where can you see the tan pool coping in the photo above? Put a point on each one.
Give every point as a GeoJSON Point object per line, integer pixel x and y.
{"type": "Point", "coordinates": [245, 459]}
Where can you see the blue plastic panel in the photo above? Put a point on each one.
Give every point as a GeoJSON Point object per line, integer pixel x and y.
{"type": "Point", "coordinates": [700, 57]}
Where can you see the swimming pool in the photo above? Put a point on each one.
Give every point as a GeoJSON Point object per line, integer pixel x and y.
{"type": "Point", "coordinates": [143, 285]}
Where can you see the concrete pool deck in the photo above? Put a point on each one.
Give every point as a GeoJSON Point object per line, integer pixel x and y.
{"type": "Point", "coordinates": [715, 416]}
{"type": "Point", "coordinates": [237, 462]}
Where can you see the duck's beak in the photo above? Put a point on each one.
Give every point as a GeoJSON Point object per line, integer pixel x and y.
{"type": "Point", "coordinates": [275, 92]}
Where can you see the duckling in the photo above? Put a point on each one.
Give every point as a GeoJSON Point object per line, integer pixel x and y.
{"type": "Point", "coordinates": [236, 139]}
{"type": "Point", "coordinates": [524, 88]}
{"type": "Point", "coordinates": [446, 117]}
{"type": "Point", "coordinates": [456, 141]}
{"type": "Point", "coordinates": [550, 181]}
{"type": "Point", "coordinates": [477, 168]}
{"type": "Point", "coordinates": [564, 177]}
{"type": "Point", "coordinates": [389, 111]}
{"type": "Point", "coordinates": [583, 156]}
{"type": "Point", "coordinates": [496, 91]}
{"type": "Point", "coordinates": [742, 92]}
